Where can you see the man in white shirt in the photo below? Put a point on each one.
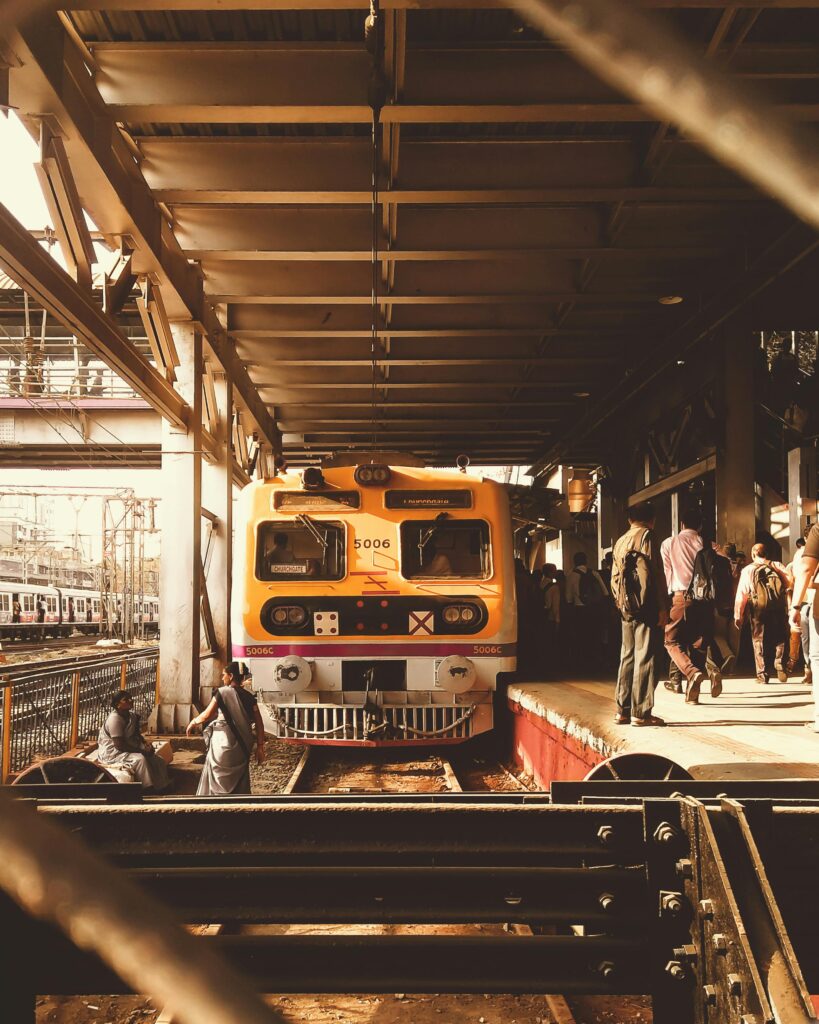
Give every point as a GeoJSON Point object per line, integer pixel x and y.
{"type": "Point", "coordinates": [763, 588]}
{"type": "Point", "coordinates": [804, 619]}
{"type": "Point", "coordinates": [689, 625]}
{"type": "Point", "coordinates": [585, 596]}
{"type": "Point", "coordinates": [807, 573]}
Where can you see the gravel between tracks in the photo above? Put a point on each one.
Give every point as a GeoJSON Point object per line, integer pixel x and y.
{"type": "Point", "coordinates": [280, 761]}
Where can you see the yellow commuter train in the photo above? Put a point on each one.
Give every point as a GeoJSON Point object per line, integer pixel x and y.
{"type": "Point", "coordinates": [374, 603]}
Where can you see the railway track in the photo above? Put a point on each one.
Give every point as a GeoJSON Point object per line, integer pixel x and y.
{"type": "Point", "coordinates": [48, 643]}
{"type": "Point", "coordinates": [19, 670]}
{"type": "Point", "coordinates": [332, 771]}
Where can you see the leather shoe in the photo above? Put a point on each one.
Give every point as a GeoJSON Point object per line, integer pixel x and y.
{"type": "Point", "coordinates": [716, 683]}
{"type": "Point", "coordinates": [692, 690]}
{"type": "Point", "coordinates": [648, 720]}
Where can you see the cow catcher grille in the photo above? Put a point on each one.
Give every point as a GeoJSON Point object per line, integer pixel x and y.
{"type": "Point", "coordinates": [371, 723]}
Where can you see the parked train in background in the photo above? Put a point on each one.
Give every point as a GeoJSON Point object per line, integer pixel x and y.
{"type": "Point", "coordinates": [374, 603]}
{"type": "Point", "coordinates": [32, 612]}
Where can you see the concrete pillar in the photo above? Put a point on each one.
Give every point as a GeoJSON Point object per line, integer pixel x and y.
{"type": "Point", "coordinates": [180, 621]}
{"type": "Point", "coordinates": [803, 489]}
{"type": "Point", "coordinates": [735, 475]}
{"type": "Point", "coordinates": [217, 498]}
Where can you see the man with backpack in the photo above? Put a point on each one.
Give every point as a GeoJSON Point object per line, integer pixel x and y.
{"type": "Point", "coordinates": [699, 581]}
{"type": "Point", "coordinates": [763, 590]}
{"type": "Point", "coordinates": [639, 591]}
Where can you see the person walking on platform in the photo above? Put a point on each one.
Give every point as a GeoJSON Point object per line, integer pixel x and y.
{"type": "Point", "coordinates": [121, 745]}
{"type": "Point", "coordinates": [690, 626]}
{"type": "Point", "coordinates": [801, 637]}
{"type": "Point", "coordinates": [235, 713]}
{"type": "Point", "coordinates": [585, 596]}
{"type": "Point", "coordinates": [807, 580]}
{"type": "Point", "coordinates": [550, 590]}
{"type": "Point", "coordinates": [639, 590]}
{"type": "Point", "coordinates": [763, 588]}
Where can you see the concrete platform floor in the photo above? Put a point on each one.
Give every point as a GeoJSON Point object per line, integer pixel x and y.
{"type": "Point", "coordinates": [750, 732]}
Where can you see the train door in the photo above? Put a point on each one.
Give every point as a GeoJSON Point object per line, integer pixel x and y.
{"type": "Point", "coordinates": [5, 608]}
{"type": "Point", "coordinates": [29, 608]}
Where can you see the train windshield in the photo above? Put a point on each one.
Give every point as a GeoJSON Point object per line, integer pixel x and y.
{"type": "Point", "coordinates": [306, 548]}
{"type": "Point", "coordinates": [442, 547]}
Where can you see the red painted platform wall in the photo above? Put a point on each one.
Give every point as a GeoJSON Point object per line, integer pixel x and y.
{"type": "Point", "coordinates": [545, 752]}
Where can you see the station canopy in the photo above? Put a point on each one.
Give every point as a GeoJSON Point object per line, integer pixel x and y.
{"type": "Point", "coordinates": [540, 239]}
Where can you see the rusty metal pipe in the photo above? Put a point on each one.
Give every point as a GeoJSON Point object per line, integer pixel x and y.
{"type": "Point", "coordinates": [637, 54]}
{"type": "Point", "coordinates": [48, 873]}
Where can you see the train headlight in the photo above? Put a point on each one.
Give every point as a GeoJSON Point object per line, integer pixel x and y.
{"type": "Point", "coordinates": [456, 674]}
{"type": "Point", "coordinates": [460, 614]}
{"type": "Point", "coordinates": [311, 478]}
{"type": "Point", "coordinates": [296, 615]}
{"type": "Point", "coordinates": [284, 615]}
{"type": "Point", "coordinates": [373, 473]}
{"type": "Point", "coordinates": [292, 674]}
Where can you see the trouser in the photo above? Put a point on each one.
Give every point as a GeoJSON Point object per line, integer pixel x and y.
{"type": "Point", "coordinates": [690, 624]}
{"type": "Point", "coordinates": [766, 638]}
{"type": "Point", "coordinates": [637, 677]}
{"type": "Point", "coordinates": [794, 645]}
{"type": "Point", "coordinates": [813, 643]}
{"type": "Point", "coordinates": [808, 645]}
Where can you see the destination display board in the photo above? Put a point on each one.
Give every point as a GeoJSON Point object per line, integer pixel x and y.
{"type": "Point", "coordinates": [428, 499]}
{"type": "Point", "coordinates": [313, 501]}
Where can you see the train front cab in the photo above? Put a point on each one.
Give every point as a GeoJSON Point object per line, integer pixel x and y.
{"type": "Point", "coordinates": [375, 614]}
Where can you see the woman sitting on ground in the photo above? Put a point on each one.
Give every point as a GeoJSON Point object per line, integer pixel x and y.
{"type": "Point", "coordinates": [234, 713]}
{"type": "Point", "coordinates": [120, 744]}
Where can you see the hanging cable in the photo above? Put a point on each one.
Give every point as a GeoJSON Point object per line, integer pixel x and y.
{"type": "Point", "coordinates": [374, 287]}
{"type": "Point", "coordinates": [377, 95]}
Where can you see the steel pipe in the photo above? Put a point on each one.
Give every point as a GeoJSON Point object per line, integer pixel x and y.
{"type": "Point", "coordinates": [634, 52]}
{"type": "Point", "coordinates": [52, 877]}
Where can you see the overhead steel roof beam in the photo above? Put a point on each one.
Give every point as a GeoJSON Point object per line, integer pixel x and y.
{"type": "Point", "coordinates": [782, 255]}
{"type": "Point", "coordinates": [647, 60]}
{"type": "Point", "coordinates": [33, 269]}
{"type": "Point", "coordinates": [460, 255]}
{"type": "Point", "coordinates": [476, 299]}
{"type": "Point", "coordinates": [363, 5]}
{"type": "Point", "coordinates": [561, 196]}
{"type": "Point", "coordinates": [52, 82]}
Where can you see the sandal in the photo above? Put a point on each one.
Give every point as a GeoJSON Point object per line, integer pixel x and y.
{"type": "Point", "coordinates": [621, 719]}
{"type": "Point", "coordinates": [648, 720]}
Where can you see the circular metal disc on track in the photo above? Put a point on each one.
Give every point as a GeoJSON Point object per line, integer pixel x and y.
{"type": "Point", "coordinates": [636, 767]}
{"type": "Point", "coordinates": [64, 769]}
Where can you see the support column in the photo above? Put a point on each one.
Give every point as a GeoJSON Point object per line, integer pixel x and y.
{"type": "Point", "coordinates": [735, 475]}
{"type": "Point", "coordinates": [180, 620]}
{"type": "Point", "coordinates": [802, 491]}
{"type": "Point", "coordinates": [217, 498]}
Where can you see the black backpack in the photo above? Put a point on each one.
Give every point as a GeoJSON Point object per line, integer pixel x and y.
{"type": "Point", "coordinates": [636, 597]}
{"type": "Point", "coordinates": [589, 589]}
{"type": "Point", "coordinates": [712, 580]}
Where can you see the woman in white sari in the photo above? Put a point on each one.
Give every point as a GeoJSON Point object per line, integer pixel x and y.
{"type": "Point", "coordinates": [234, 714]}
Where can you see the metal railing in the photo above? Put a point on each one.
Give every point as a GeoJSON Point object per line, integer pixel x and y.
{"type": "Point", "coordinates": [47, 712]}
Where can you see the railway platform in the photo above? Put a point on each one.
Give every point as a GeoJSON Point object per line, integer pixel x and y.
{"type": "Point", "coordinates": [561, 730]}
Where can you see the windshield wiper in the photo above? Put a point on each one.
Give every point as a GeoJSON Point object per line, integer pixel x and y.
{"type": "Point", "coordinates": [316, 532]}
{"type": "Point", "coordinates": [428, 534]}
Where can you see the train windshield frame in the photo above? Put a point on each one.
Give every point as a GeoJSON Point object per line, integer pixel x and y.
{"type": "Point", "coordinates": [309, 550]}
{"type": "Point", "coordinates": [444, 548]}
